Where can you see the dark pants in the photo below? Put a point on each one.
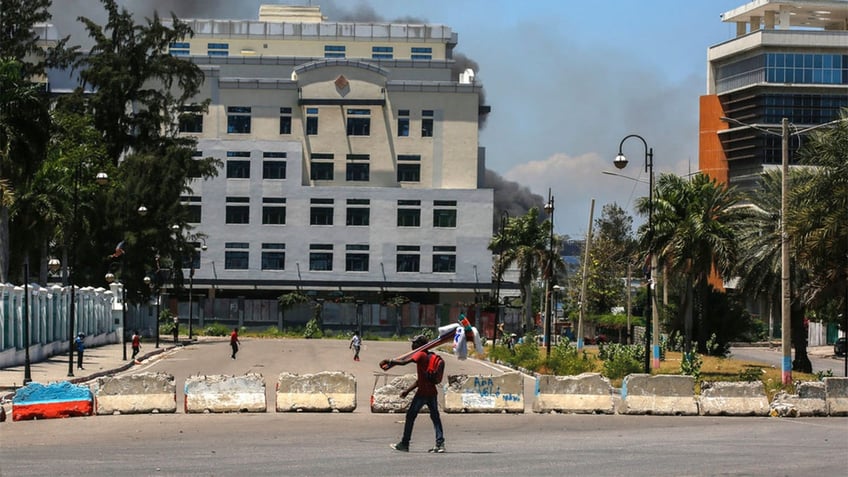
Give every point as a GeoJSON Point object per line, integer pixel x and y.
{"type": "Point", "coordinates": [235, 349]}
{"type": "Point", "coordinates": [79, 358]}
{"type": "Point", "coordinates": [417, 403]}
{"type": "Point", "coordinates": [135, 351]}
{"type": "Point", "coordinates": [356, 353]}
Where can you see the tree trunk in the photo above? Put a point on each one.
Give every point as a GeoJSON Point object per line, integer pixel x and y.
{"type": "Point", "coordinates": [801, 363]}
{"type": "Point", "coordinates": [687, 319]}
{"type": "Point", "coordinates": [528, 308]}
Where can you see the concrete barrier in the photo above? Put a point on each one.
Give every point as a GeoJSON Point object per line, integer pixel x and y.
{"type": "Point", "coordinates": [322, 392]}
{"type": "Point", "coordinates": [587, 393]}
{"type": "Point", "coordinates": [662, 394]}
{"type": "Point", "coordinates": [219, 393]}
{"type": "Point", "coordinates": [386, 398]}
{"type": "Point", "coordinates": [51, 401]}
{"type": "Point", "coordinates": [809, 401]}
{"type": "Point", "coordinates": [135, 394]}
{"type": "Point", "coordinates": [485, 394]}
{"type": "Point", "coordinates": [836, 395]}
{"type": "Point", "coordinates": [733, 398]}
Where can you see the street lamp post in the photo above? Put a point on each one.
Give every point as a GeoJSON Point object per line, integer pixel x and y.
{"type": "Point", "coordinates": [153, 283]}
{"type": "Point", "coordinates": [110, 278]}
{"type": "Point", "coordinates": [621, 162]}
{"type": "Point", "coordinates": [27, 369]}
{"type": "Point", "coordinates": [549, 209]}
{"type": "Point", "coordinates": [785, 286]}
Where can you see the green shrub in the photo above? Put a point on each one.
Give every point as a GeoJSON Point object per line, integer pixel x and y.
{"type": "Point", "coordinates": [566, 360]}
{"type": "Point", "coordinates": [621, 360]}
{"type": "Point", "coordinates": [690, 365]}
{"type": "Point", "coordinates": [216, 329]}
{"type": "Point", "coordinates": [527, 354]}
{"type": "Point", "coordinates": [313, 329]}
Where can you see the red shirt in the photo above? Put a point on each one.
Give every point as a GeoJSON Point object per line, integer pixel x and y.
{"type": "Point", "coordinates": [233, 337]}
{"type": "Point", "coordinates": [425, 387]}
{"type": "Point", "coordinates": [136, 342]}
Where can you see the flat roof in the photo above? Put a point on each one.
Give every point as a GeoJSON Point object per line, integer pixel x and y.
{"type": "Point", "coordinates": [824, 14]}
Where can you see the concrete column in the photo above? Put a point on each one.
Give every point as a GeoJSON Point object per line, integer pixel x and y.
{"type": "Point", "coordinates": [741, 28]}
{"type": "Point", "coordinates": [756, 24]}
{"type": "Point", "coordinates": [783, 18]}
{"type": "Point", "coordinates": [769, 20]}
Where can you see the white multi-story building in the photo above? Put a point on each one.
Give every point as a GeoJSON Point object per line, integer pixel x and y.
{"type": "Point", "coordinates": [350, 157]}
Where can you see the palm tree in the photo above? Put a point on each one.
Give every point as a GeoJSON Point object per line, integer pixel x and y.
{"type": "Point", "coordinates": [818, 219]}
{"type": "Point", "coordinates": [759, 264]}
{"type": "Point", "coordinates": [694, 223]}
{"type": "Point", "coordinates": [524, 243]}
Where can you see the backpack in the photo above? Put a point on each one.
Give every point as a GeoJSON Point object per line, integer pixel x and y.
{"type": "Point", "coordinates": [435, 368]}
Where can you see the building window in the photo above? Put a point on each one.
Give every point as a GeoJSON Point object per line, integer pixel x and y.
{"type": "Point", "coordinates": [408, 258]}
{"type": "Point", "coordinates": [311, 121]}
{"type": "Point", "coordinates": [444, 213]}
{"type": "Point", "coordinates": [285, 120]}
{"type": "Point", "coordinates": [444, 259]}
{"type": "Point", "coordinates": [409, 168]}
{"type": "Point", "coordinates": [321, 257]}
{"type": "Point", "coordinates": [321, 212]}
{"type": "Point", "coordinates": [357, 168]}
{"type": "Point", "coordinates": [358, 212]}
{"type": "Point", "coordinates": [238, 120]}
{"type": "Point", "coordinates": [427, 123]}
{"type": "Point", "coordinates": [422, 53]}
{"type": "Point", "coordinates": [273, 211]}
{"type": "Point", "coordinates": [403, 123]}
{"type": "Point", "coordinates": [321, 171]}
{"type": "Point", "coordinates": [179, 49]}
{"type": "Point", "coordinates": [358, 122]}
{"type": "Point", "coordinates": [238, 169]}
{"type": "Point", "coordinates": [273, 256]}
{"type": "Point", "coordinates": [237, 214]}
{"type": "Point", "coordinates": [236, 260]}
{"type": "Point", "coordinates": [194, 172]}
{"type": "Point", "coordinates": [273, 169]}
{"type": "Point", "coordinates": [218, 49]}
{"type": "Point", "coordinates": [356, 258]}
{"type": "Point", "coordinates": [382, 52]}
{"type": "Point", "coordinates": [192, 205]}
{"type": "Point", "coordinates": [191, 119]}
{"type": "Point", "coordinates": [409, 213]}
{"type": "Point", "coordinates": [334, 51]}
{"type": "Point", "coordinates": [321, 167]}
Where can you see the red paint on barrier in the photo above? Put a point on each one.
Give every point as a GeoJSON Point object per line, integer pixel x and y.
{"type": "Point", "coordinates": [51, 410]}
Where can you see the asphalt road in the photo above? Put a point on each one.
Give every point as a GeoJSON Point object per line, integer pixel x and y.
{"type": "Point", "coordinates": [331, 444]}
{"type": "Point", "coordinates": [773, 357]}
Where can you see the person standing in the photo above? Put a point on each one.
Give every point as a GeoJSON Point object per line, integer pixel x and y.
{"type": "Point", "coordinates": [136, 343]}
{"type": "Point", "coordinates": [425, 393]}
{"type": "Point", "coordinates": [234, 342]}
{"type": "Point", "coordinates": [80, 349]}
{"type": "Point", "coordinates": [355, 344]}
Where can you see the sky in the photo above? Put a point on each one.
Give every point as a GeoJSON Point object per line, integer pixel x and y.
{"type": "Point", "coordinates": [566, 80]}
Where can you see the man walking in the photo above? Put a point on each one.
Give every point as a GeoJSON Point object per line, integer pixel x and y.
{"type": "Point", "coordinates": [234, 342]}
{"type": "Point", "coordinates": [425, 393]}
{"type": "Point", "coordinates": [136, 343]}
{"type": "Point", "coordinates": [355, 344]}
{"type": "Point", "coordinates": [80, 349]}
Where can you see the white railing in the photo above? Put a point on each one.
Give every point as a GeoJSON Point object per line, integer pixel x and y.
{"type": "Point", "coordinates": [48, 312]}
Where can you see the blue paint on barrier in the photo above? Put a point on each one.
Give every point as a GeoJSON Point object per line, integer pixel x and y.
{"type": "Point", "coordinates": [62, 391]}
